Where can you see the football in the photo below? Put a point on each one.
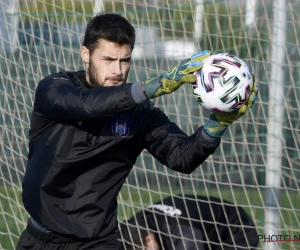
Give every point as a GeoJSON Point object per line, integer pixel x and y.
{"type": "Point", "coordinates": [223, 84]}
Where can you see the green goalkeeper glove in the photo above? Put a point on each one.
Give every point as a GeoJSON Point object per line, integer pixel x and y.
{"type": "Point", "coordinates": [218, 122]}
{"type": "Point", "coordinates": [171, 81]}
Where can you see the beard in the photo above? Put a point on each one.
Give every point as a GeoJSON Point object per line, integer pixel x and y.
{"type": "Point", "coordinates": [92, 73]}
{"type": "Point", "coordinates": [94, 82]}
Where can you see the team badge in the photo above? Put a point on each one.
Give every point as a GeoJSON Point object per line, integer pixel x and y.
{"type": "Point", "coordinates": [120, 127]}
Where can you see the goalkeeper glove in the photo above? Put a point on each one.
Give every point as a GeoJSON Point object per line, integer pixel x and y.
{"type": "Point", "coordinates": [218, 122]}
{"type": "Point", "coordinates": [171, 81]}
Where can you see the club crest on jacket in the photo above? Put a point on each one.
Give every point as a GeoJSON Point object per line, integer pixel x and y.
{"type": "Point", "coordinates": [120, 126]}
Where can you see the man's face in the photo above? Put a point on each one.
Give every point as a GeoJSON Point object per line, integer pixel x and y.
{"type": "Point", "coordinates": [108, 65]}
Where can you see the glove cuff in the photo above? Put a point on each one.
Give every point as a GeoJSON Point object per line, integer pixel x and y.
{"type": "Point", "coordinates": [213, 127]}
{"type": "Point", "coordinates": [151, 86]}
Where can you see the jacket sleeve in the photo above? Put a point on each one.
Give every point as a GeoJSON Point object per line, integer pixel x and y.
{"type": "Point", "coordinates": [173, 148]}
{"type": "Point", "coordinates": [58, 99]}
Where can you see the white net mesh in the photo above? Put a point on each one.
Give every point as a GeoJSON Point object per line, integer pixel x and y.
{"type": "Point", "coordinates": [39, 37]}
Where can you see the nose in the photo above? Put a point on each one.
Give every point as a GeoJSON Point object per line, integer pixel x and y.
{"type": "Point", "coordinates": [116, 69]}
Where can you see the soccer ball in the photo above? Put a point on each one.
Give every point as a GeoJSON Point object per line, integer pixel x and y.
{"type": "Point", "coordinates": [223, 84]}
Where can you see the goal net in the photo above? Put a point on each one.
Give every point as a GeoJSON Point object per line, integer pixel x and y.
{"type": "Point", "coordinates": [257, 165]}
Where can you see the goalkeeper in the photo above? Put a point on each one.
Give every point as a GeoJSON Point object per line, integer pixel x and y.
{"type": "Point", "coordinates": [87, 129]}
{"type": "Point", "coordinates": [189, 222]}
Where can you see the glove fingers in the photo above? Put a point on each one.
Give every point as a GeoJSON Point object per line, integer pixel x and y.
{"type": "Point", "coordinates": [194, 63]}
{"type": "Point", "coordinates": [255, 88]}
{"type": "Point", "coordinates": [192, 68]}
{"type": "Point", "coordinates": [199, 59]}
{"type": "Point", "coordinates": [253, 95]}
{"type": "Point", "coordinates": [253, 76]}
{"type": "Point", "coordinates": [189, 78]}
{"type": "Point", "coordinates": [169, 86]}
{"type": "Point", "coordinates": [251, 100]}
{"type": "Point", "coordinates": [242, 111]}
{"type": "Point", "coordinates": [201, 54]}
{"type": "Point", "coordinates": [227, 118]}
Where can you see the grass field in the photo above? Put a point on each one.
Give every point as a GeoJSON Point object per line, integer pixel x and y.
{"type": "Point", "coordinates": [13, 217]}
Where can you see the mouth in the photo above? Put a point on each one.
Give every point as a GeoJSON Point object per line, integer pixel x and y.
{"type": "Point", "coordinates": [115, 81]}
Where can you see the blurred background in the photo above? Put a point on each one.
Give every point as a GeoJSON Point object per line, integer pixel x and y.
{"type": "Point", "coordinates": [258, 163]}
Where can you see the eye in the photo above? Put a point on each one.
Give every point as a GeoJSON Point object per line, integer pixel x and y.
{"type": "Point", "coordinates": [126, 60]}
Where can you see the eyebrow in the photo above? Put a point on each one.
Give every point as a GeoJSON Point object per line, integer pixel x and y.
{"type": "Point", "coordinates": [113, 58]}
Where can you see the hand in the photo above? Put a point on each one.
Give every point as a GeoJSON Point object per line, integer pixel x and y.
{"type": "Point", "coordinates": [171, 81]}
{"type": "Point", "coordinates": [218, 122]}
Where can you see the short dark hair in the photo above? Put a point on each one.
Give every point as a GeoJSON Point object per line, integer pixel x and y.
{"type": "Point", "coordinates": [111, 27]}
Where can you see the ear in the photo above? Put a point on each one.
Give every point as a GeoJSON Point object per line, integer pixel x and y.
{"type": "Point", "coordinates": [85, 54]}
{"type": "Point", "coordinates": [151, 242]}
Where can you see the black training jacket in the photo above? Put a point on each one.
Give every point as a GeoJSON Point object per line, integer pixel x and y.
{"type": "Point", "coordinates": [84, 141]}
{"type": "Point", "coordinates": [199, 222]}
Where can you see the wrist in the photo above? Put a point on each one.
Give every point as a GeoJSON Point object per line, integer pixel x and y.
{"type": "Point", "coordinates": [213, 128]}
{"type": "Point", "coordinates": [212, 140]}
{"type": "Point", "coordinates": [138, 93]}
{"type": "Point", "coordinates": [151, 86]}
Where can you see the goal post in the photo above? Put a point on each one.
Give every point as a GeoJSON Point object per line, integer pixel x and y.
{"type": "Point", "coordinates": [40, 37]}
{"type": "Point", "coordinates": [275, 123]}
